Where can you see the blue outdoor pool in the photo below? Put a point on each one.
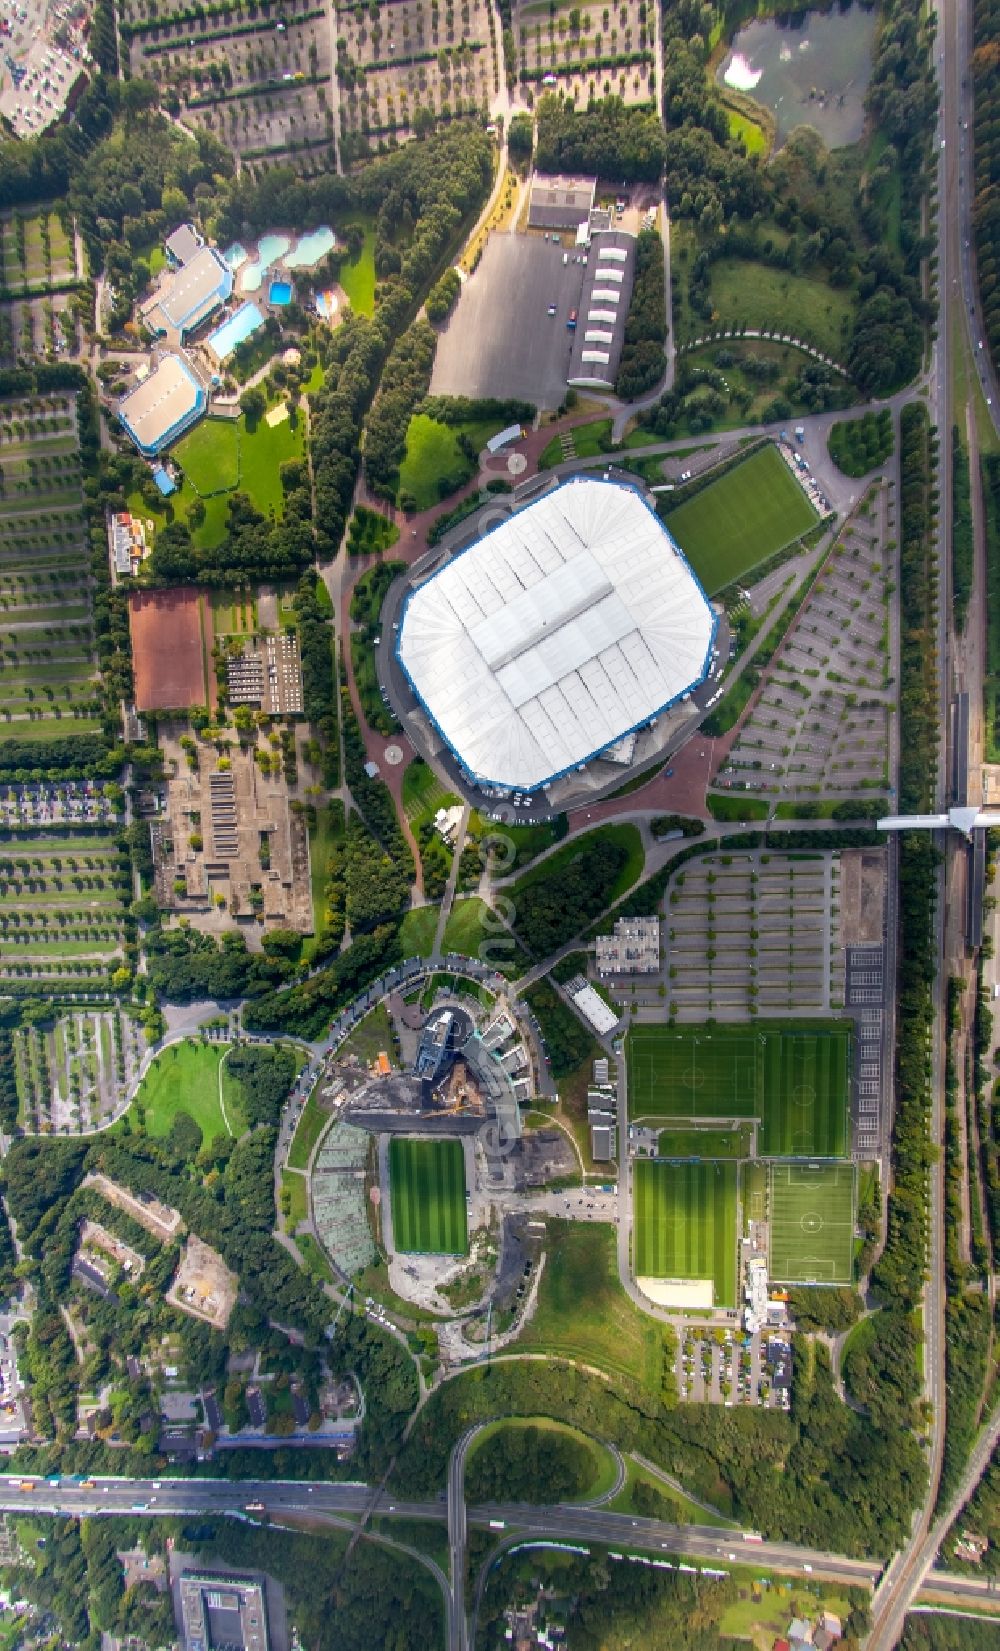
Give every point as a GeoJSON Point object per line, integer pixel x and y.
{"type": "Point", "coordinates": [236, 256]}
{"type": "Point", "coordinates": [310, 249]}
{"type": "Point", "coordinates": [223, 341]}
{"type": "Point", "coordinates": [280, 293]}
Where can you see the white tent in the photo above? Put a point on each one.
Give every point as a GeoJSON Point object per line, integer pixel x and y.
{"type": "Point", "coordinates": [569, 625]}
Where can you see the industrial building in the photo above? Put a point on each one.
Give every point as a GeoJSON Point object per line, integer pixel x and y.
{"type": "Point", "coordinates": [604, 305]}
{"type": "Point", "coordinates": [167, 401]}
{"type": "Point", "coordinates": [561, 203]}
{"type": "Point", "coordinates": [557, 634]}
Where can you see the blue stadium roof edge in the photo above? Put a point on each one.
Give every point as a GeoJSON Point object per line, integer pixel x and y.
{"type": "Point", "coordinates": [475, 778]}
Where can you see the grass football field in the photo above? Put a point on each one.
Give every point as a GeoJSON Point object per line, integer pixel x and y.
{"type": "Point", "coordinates": [812, 1223]}
{"type": "Point", "coordinates": [794, 1078]}
{"type": "Point", "coordinates": [704, 1143]}
{"type": "Point", "coordinates": [740, 520]}
{"type": "Point", "coordinates": [427, 1192]}
{"type": "Point", "coordinates": [684, 1223]}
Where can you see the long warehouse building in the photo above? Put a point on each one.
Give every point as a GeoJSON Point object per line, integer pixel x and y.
{"type": "Point", "coordinates": [569, 626]}
{"type": "Point", "coordinates": [604, 304]}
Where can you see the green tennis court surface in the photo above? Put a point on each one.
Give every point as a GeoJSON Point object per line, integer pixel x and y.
{"type": "Point", "coordinates": [684, 1223]}
{"type": "Point", "coordinates": [811, 1223]}
{"type": "Point", "coordinates": [427, 1195]}
{"type": "Point", "coordinates": [793, 1078]}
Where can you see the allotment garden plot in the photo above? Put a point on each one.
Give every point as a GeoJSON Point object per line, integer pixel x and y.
{"type": "Point", "coordinates": [684, 1225]}
{"type": "Point", "coordinates": [39, 275]}
{"type": "Point", "coordinates": [773, 941]}
{"type": "Point", "coordinates": [48, 666]}
{"type": "Point", "coordinates": [427, 1189]}
{"type": "Point", "coordinates": [793, 1079]}
{"type": "Point", "coordinates": [820, 726]}
{"type": "Point", "coordinates": [811, 1223]}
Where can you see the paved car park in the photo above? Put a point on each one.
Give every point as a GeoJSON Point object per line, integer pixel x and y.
{"type": "Point", "coordinates": [501, 340]}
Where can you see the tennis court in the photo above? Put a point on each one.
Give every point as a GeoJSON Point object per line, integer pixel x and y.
{"type": "Point", "coordinates": [684, 1223]}
{"type": "Point", "coordinates": [794, 1078]}
{"type": "Point", "coordinates": [427, 1195]}
{"type": "Point", "coordinates": [812, 1223]}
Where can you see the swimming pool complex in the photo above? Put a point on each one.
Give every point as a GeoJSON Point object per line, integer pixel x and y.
{"type": "Point", "coordinates": [225, 339]}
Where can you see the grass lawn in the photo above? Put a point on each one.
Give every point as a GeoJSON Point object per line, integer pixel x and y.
{"type": "Point", "coordinates": [473, 930]}
{"type": "Point", "coordinates": [794, 1076]}
{"type": "Point", "coordinates": [423, 792]}
{"type": "Point", "coordinates": [749, 133]}
{"type": "Point", "coordinates": [684, 1510]}
{"type": "Point", "coordinates": [323, 837]}
{"type": "Point", "coordinates": [740, 520]}
{"type": "Point", "coordinates": [750, 294]}
{"type": "Point", "coordinates": [185, 1078]}
{"type": "Point", "coordinates": [685, 1224]}
{"type": "Point", "coordinates": [811, 1223]}
{"type": "Point", "coordinates": [210, 455]}
{"type": "Point", "coordinates": [416, 932]}
{"type": "Point", "coordinates": [371, 1036]}
{"type": "Point", "coordinates": [427, 1193]}
{"type": "Point", "coordinates": [704, 1143]}
{"type": "Point", "coordinates": [584, 1313]}
{"type": "Point", "coordinates": [358, 276]}
{"type": "Point", "coordinates": [294, 1191]}
{"type": "Point", "coordinates": [432, 451]}
{"type": "Point", "coordinates": [307, 1133]}
{"type": "Point", "coordinates": [316, 1262]}
{"type": "Point", "coordinates": [263, 451]}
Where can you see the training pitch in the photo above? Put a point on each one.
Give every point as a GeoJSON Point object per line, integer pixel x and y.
{"type": "Point", "coordinates": [684, 1224]}
{"type": "Point", "coordinates": [427, 1192]}
{"type": "Point", "coordinates": [811, 1223]}
{"type": "Point", "coordinates": [740, 520]}
{"type": "Point", "coordinates": [793, 1078]}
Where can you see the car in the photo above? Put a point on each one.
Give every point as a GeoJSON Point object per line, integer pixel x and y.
{"type": "Point", "coordinates": [552, 311]}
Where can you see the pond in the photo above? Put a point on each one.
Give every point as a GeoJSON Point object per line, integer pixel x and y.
{"type": "Point", "coordinates": [809, 69]}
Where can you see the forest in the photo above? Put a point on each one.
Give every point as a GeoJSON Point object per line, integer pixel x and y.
{"type": "Point", "coordinates": [607, 138]}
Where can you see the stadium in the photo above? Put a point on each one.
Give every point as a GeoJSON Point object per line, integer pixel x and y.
{"type": "Point", "coordinates": [555, 637]}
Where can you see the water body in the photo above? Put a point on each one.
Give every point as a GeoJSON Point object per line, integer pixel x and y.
{"type": "Point", "coordinates": [811, 69]}
{"type": "Point", "coordinates": [311, 248]}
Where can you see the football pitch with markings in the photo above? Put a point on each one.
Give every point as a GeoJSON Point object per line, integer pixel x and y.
{"type": "Point", "coordinates": [793, 1078]}
{"type": "Point", "coordinates": [684, 1223]}
{"type": "Point", "coordinates": [811, 1223]}
{"type": "Point", "coordinates": [427, 1195]}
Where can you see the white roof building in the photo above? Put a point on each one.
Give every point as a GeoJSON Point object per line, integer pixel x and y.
{"type": "Point", "coordinates": [565, 628]}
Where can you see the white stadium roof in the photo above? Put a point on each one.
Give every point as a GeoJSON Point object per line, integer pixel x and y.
{"type": "Point", "coordinates": [569, 625]}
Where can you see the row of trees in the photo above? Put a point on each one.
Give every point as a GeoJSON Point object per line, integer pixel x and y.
{"type": "Point", "coordinates": [642, 361]}
{"type": "Point", "coordinates": [404, 382]}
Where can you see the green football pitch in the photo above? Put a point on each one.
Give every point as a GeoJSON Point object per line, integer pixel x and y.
{"type": "Point", "coordinates": [691, 1142]}
{"type": "Point", "coordinates": [734, 523]}
{"type": "Point", "coordinates": [684, 1223]}
{"type": "Point", "coordinates": [811, 1223]}
{"type": "Point", "coordinates": [793, 1078]}
{"type": "Point", "coordinates": [427, 1194]}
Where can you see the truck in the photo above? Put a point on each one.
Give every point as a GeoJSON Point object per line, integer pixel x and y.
{"type": "Point", "coordinates": [498, 1525]}
{"type": "Point", "coordinates": [26, 1485]}
{"type": "Point", "coordinates": [571, 323]}
{"type": "Point", "coordinates": [752, 1536]}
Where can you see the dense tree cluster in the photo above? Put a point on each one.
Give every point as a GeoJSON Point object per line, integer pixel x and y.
{"type": "Point", "coordinates": [313, 608]}
{"type": "Point", "coordinates": [308, 1008]}
{"type": "Point", "coordinates": [859, 445]}
{"type": "Point", "coordinates": [962, 550]}
{"type": "Point", "coordinates": [607, 138]}
{"type": "Point", "coordinates": [529, 1464]}
{"type": "Point", "coordinates": [265, 1077]}
{"type": "Point", "coordinates": [378, 889]}
{"type": "Point", "coordinates": [550, 910]}
{"type": "Point", "coordinates": [567, 1042]}
{"type": "Point", "coordinates": [253, 546]}
{"type": "Point", "coordinates": [643, 361]}
{"type": "Point", "coordinates": [442, 296]}
{"type": "Point", "coordinates": [405, 380]}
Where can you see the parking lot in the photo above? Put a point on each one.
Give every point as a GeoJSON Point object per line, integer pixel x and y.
{"type": "Point", "coordinates": [728, 1367]}
{"type": "Point", "coordinates": [501, 340]}
{"type": "Point", "coordinates": [821, 725]}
